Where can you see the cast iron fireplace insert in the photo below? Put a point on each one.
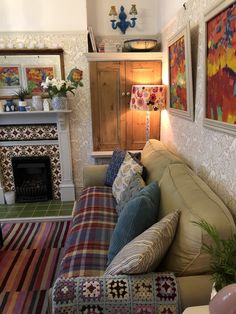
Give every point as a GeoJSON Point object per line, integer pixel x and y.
{"type": "Point", "coordinates": [32, 177]}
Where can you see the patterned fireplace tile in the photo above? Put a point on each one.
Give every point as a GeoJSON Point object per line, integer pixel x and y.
{"type": "Point", "coordinates": [28, 132]}
{"type": "Point", "coordinates": [6, 154]}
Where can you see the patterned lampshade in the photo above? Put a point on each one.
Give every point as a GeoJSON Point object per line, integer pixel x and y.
{"type": "Point", "coordinates": [148, 97]}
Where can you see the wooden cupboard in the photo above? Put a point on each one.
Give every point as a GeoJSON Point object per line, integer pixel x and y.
{"type": "Point", "coordinates": [114, 124]}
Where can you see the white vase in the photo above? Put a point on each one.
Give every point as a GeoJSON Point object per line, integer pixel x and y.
{"type": "Point", "coordinates": [59, 103]}
{"type": "Point", "coordinates": [37, 103]}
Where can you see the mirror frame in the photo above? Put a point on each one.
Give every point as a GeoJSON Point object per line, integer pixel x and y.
{"type": "Point", "coordinates": [17, 52]}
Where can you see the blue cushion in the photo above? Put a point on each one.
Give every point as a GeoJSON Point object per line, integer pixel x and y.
{"type": "Point", "coordinates": [138, 214]}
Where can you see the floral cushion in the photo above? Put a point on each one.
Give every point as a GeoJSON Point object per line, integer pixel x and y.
{"type": "Point", "coordinates": [128, 167]}
{"type": "Point", "coordinates": [144, 253]}
{"type": "Point", "coordinates": [136, 184]}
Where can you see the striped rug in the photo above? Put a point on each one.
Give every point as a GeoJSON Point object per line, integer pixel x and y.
{"type": "Point", "coordinates": [29, 263]}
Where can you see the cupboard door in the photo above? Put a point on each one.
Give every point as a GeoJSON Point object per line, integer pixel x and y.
{"type": "Point", "coordinates": [108, 105]}
{"type": "Point", "coordinates": [143, 72]}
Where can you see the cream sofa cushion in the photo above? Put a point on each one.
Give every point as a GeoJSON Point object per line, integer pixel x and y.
{"type": "Point", "coordinates": [181, 188]}
{"type": "Point", "coordinates": [155, 157]}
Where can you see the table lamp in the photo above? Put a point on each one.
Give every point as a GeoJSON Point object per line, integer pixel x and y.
{"type": "Point", "coordinates": [148, 98]}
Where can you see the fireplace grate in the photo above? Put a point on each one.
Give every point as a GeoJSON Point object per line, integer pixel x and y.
{"type": "Point", "coordinates": [32, 176]}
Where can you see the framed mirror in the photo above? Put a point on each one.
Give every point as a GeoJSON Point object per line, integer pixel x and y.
{"type": "Point", "coordinates": [27, 68]}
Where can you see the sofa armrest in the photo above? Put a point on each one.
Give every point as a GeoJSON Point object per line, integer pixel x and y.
{"type": "Point", "coordinates": [195, 290]}
{"type": "Point", "coordinates": [94, 175]}
{"type": "Point", "coordinates": [148, 293]}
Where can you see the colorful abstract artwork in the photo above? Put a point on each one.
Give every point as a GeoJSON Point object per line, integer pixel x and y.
{"type": "Point", "coordinates": [178, 90]}
{"type": "Point", "coordinates": [180, 74]}
{"type": "Point", "coordinates": [9, 76]}
{"type": "Point", "coordinates": [221, 66]}
{"type": "Point", "coordinates": [36, 75]}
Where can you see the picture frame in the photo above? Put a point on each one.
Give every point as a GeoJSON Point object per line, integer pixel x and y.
{"type": "Point", "coordinates": [219, 69]}
{"type": "Point", "coordinates": [35, 75]}
{"type": "Point", "coordinates": [22, 58]}
{"type": "Point", "coordinates": [10, 76]}
{"type": "Point", "coordinates": [92, 38]}
{"type": "Point", "coordinates": [180, 91]}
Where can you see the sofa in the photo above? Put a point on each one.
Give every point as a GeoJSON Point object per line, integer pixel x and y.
{"type": "Point", "coordinates": [182, 279]}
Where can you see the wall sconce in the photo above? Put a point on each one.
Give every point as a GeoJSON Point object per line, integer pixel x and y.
{"type": "Point", "coordinates": [148, 98]}
{"type": "Point", "coordinates": [123, 24]}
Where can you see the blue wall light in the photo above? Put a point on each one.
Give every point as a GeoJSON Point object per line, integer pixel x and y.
{"type": "Point", "coordinates": [123, 24]}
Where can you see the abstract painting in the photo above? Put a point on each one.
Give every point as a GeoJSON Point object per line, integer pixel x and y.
{"type": "Point", "coordinates": [220, 73]}
{"type": "Point", "coordinates": [35, 75]}
{"type": "Point", "coordinates": [10, 76]}
{"type": "Point", "coordinates": [180, 74]}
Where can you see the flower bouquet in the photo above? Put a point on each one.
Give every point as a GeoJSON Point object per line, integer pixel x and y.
{"type": "Point", "coordinates": [57, 91]}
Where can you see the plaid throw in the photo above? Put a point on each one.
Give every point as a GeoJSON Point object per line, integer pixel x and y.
{"type": "Point", "coordinates": [94, 219]}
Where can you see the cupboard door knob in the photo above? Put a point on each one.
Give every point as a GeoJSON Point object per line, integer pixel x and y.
{"type": "Point", "coordinates": [123, 94]}
{"type": "Point", "coordinates": [128, 94]}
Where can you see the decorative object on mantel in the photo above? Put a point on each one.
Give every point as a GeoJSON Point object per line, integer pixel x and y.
{"type": "Point", "coordinates": [10, 106]}
{"type": "Point", "coordinates": [22, 93]}
{"type": "Point", "coordinates": [123, 24]}
{"type": "Point", "coordinates": [1, 107]}
{"type": "Point", "coordinates": [58, 89]}
{"type": "Point", "coordinates": [46, 105]}
{"type": "Point", "coordinates": [76, 76]}
{"type": "Point", "coordinates": [140, 45]}
{"type": "Point", "coordinates": [37, 103]}
{"type": "Point", "coordinates": [148, 98]}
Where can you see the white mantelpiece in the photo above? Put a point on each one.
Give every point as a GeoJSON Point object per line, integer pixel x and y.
{"type": "Point", "coordinates": [67, 188]}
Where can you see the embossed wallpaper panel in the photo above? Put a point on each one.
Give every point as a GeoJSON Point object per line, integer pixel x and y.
{"type": "Point", "coordinates": [74, 45]}
{"type": "Point", "coordinates": [210, 153]}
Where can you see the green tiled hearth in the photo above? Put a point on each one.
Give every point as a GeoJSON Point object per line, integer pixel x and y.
{"type": "Point", "coordinates": [39, 209]}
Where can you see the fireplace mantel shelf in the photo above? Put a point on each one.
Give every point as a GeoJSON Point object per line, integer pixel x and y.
{"type": "Point", "coordinates": [34, 117]}
{"type": "Point", "coordinates": [34, 112]}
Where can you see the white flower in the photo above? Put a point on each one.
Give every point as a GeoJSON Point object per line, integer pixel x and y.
{"type": "Point", "coordinates": [69, 84]}
{"type": "Point", "coordinates": [58, 87]}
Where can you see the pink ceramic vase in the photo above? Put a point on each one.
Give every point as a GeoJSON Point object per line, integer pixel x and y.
{"type": "Point", "coordinates": [224, 302]}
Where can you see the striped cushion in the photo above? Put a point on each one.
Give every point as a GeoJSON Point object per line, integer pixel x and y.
{"type": "Point", "coordinates": [145, 252]}
{"type": "Point", "coordinates": [94, 219]}
{"type": "Point", "coordinates": [128, 167]}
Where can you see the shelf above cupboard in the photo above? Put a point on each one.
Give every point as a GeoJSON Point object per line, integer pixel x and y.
{"type": "Point", "coordinates": [119, 56]}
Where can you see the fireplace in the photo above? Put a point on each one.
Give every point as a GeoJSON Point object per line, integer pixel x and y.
{"type": "Point", "coordinates": [32, 177]}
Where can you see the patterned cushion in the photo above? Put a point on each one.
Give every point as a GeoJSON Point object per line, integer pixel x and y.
{"type": "Point", "coordinates": [145, 252]}
{"type": "Point", "coordinates": [127, 169]}
{"type": "Point", "coordinates": [136, 184]}
{"type": "Point", "coordinates": [138, 214]}
{"type": "Point", "coordinates": [117, 158]}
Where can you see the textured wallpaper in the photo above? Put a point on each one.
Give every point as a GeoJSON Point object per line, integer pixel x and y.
{"type": "Point", "coordinates": [210, 153]}
{"type": "Point", "coordinates": [74, 45]}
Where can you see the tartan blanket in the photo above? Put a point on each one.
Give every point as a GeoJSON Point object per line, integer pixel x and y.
{"type": "Point", "coordinates": [153, 293]}
{"type": "Point", "coordinates": [81, 287]}
{"type": "Point", "coordinates": [94, 218]}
